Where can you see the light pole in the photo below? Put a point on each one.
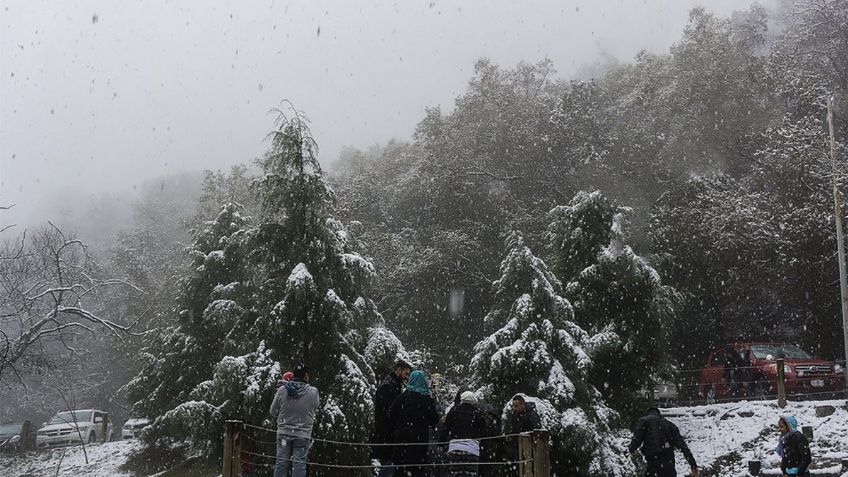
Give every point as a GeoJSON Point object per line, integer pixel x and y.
{"type": "Point", "coordinates": [837, 211]}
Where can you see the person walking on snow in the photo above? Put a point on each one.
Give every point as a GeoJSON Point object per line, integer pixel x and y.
{"type": "Point", "coordinates": [793, 448]}
{"type": "Point", "coordinates": [294, 408]}
{"type": "Point", "coordinates": [658, 437]}
{"type": "Point", "coordinates": [411, 416]}
{"type": "Point", "coordinates": [386, 394]}
{"type": "Point", "coordinates": [463, 426]}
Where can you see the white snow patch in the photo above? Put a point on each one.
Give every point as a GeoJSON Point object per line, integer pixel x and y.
{"type": "Point", "coordinates": [104, 460]}
{"type": "Point", "coordinates": [299, 275]}
{"type": "Point", "coordinates": [718, 430]}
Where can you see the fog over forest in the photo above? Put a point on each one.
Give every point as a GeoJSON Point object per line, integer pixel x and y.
{"type": "Point", "coordinates": [100, 99]}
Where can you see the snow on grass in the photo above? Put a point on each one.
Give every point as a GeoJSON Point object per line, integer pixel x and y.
{"type": "Point", "coordinates": [726, 436]}
{"type": "Point", "coordinates": [104, 460]}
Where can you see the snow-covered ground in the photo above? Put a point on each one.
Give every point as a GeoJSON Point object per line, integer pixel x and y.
{"type": "Point", "coordinates": [724, 437]}
{"type": "Point", "coordinates": [104, 460]}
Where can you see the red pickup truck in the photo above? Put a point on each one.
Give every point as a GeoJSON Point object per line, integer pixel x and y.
{"type": "Point", "coordinates": [750, 370]}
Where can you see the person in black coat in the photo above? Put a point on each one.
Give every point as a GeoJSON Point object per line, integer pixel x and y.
{"type": "Point", "coordinates": [386, 394]}
{"type": "Point", "coordinates": [658, 437]}
{"type": "Point", "coordinates": [523, 418]}
{"type": "Point", "coordinates": [793, 448]}
{"type": "Point", "coordinates": [411, 416]}
{"type": "Point", "coordinates": [491, 450]}
{"type": "Point", "coordinates": [462, 428]}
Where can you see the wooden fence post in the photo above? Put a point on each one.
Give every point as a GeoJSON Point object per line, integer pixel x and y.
{"type": "Point", "coordinates": [525, 454]}
{"type": "Point", "coordinates": [781, 384]}
{"type": "Point", "coordinates": [104, 430]}
{"type": "Point", "coordinates": [232, 449]}
{"type": "Point", "coordinates": [237, 449]}
{"type": "Point", "coordinates": [26, 432]}
{"type": "Point", "coordinates": [228, 449]}
{"type": "Point", "coordinates": [541, 453]}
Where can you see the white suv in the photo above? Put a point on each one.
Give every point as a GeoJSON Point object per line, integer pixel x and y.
{"type": "Point", "coordinates": [134, 427]}
{"type": "Point", "coordinates": [74, 427]}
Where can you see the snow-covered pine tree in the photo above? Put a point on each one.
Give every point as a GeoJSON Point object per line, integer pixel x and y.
{"type": "Point", "coordinates": [287, 288]}
{"type": "Point", "coordinates": [538, 350]}
{"type": "Point", "coordinates": [615, 293]}
{"type": "Point", "coordinates": [180, 357]}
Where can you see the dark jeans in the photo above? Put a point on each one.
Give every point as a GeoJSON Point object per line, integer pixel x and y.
{"type": "Point", "coordinates": [661, 468]}
{"type": "Point", "coordinates": [386, 471]}
{"type": "Point", "coordinates": [460, 457]}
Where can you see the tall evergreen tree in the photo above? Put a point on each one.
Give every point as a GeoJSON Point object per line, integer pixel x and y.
{"type": "Point", "coordinates": [287, 287]}
{"type": "Point", "coordinates": [615, 293]}
{"type": "Point", "coordinates": [538, 350]}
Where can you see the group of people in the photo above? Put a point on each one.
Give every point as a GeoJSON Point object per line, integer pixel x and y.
{"type": "Point", "coordinates": [657, 438]}
{"type": "Point", "coordinates": [407, 419]}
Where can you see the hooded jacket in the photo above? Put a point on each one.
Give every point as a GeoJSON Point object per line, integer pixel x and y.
{"type": "Point", "coordinates": [294, 408]}
{"type": "Point", "coordinates": [526, 421]}
{"type": "Point", "coordinates": [794, 449]}
{"type": "Point", "coordinates": [412, 415]}
{"type": "Point", "coordinates": [418, 383]}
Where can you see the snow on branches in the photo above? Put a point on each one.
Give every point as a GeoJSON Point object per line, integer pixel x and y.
{"type": "Point", "coordinates": [48, 293]}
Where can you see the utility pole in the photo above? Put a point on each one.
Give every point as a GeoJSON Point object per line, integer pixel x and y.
{"type": "Point", "coordinates": [840, 241]}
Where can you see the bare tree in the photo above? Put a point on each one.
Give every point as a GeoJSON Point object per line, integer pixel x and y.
{"type": "Point", "coordinates": [48, 288]}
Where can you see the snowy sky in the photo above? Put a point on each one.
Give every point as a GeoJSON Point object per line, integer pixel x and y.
{"type": "Point", "coordinates": [100, 96]}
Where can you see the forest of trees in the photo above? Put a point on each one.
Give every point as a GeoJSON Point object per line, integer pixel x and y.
{"type": "Point", "coordinates": [718, 149]}
{"type": "Point", "coordinates": [560, 228]}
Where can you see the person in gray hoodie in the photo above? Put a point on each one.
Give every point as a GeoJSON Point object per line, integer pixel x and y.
{"type": "Point", "coordinates": [294, 408]}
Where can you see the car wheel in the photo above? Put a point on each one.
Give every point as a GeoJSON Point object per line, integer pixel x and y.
{"type": "Point", "coordinates": [92, 437]}
{"type": "Point", "coordinates": [711, 395]}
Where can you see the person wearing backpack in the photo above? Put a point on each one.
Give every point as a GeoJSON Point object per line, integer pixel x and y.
{"type": "Point", "coordinates": [658, 437]}
{"type": "Point", "coordinates": [793, 448]}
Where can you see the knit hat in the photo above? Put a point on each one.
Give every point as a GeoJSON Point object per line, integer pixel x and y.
{"type": "Point", "coordinates": [468, 397]}
{"type": "Point", "coordinates": [288, 376]}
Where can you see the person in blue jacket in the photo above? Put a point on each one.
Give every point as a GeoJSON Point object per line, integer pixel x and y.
{"type": "Point", "coordinates": [793, 448]}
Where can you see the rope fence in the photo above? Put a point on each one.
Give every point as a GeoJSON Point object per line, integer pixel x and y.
{"type": "Point", "coordinates": [373, 466]}
{"type": "Point", "coordinates": [533, 452]}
